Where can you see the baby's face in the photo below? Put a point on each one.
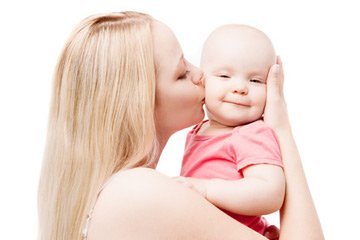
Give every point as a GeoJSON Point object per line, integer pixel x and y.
{"type": "Point", "coordinates": [236, 60]}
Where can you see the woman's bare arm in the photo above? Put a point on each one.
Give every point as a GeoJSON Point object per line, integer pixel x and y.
{"type": "Point", "coordinates": [298, 217]}
{"type": "Point", "coordinates": [144, 204]}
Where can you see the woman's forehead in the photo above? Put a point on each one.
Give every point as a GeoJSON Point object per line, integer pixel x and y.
{"type": "Point", "coordinates": [167, 49]}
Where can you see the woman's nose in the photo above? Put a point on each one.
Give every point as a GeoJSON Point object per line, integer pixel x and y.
{"type": "Point", "coordinates": [197, 76]}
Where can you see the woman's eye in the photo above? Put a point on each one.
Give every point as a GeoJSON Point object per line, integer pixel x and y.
{"type": "Point", "coordinates": [184, 76]}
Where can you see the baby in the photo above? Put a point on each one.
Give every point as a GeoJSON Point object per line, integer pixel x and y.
{"type": "Point", "coordinates": [233, 159]}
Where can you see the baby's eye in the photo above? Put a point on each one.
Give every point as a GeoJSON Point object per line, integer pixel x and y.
{"type": "Point", "coordinates": [256, 81]}
{"type": "Point", "coordinates": [223, 76]}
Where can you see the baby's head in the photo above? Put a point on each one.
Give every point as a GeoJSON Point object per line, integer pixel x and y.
{"type": "Point", "coordinates": [236, 60]}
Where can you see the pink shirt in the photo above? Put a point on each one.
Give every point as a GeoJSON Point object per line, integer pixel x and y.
{"type": "Point", "coordinates": [225, 156]}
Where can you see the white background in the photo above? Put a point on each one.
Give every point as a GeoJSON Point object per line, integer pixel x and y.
{"type": "Point", "coordinates": [319, 42]}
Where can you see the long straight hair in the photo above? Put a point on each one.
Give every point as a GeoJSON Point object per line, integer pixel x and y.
{"type": "Point", "coordinates": [101, 118]}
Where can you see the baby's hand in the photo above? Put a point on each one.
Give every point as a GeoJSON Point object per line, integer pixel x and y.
{"type": "Point", "coordinates": [196, 184]}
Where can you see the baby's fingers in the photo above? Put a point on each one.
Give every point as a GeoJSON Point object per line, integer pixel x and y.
{"type": "Point", "coordinates": [184, 182]}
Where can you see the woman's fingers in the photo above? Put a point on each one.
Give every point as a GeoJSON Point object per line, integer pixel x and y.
{"type": "Point", "coordinates": [275, 80]}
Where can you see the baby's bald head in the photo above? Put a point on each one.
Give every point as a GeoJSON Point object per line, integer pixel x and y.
{"type": "Point", "coordinates": [239, 43]}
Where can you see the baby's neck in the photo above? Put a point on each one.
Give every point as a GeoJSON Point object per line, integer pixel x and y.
{"type": "Point", "coordinates": [212, 127]}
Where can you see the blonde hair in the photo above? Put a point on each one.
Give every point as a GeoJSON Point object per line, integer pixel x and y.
{"type": "Point", "coordinates": [101, 118]}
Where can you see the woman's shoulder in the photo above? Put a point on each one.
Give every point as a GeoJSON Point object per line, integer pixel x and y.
{"type": "Point", "coordinates": [126, 197]}
{"type": "Point", "coordinates": [138, 173]}
{"type": "Point", "coordinates": [131, 183]}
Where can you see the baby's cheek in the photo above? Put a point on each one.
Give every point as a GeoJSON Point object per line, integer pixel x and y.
{"type": "Point", "coordinates": [211, 91]}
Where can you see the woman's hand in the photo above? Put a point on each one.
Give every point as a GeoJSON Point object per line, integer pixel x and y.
{"type": "Point", "coordinates": [275, 113]}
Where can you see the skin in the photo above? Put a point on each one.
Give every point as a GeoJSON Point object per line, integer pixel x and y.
{"type": "Point", "coordinates": [236, 60]}
{"type": "Point", "coordinates": [298, 208]}
{"type": "Point", "coordinates": [144, 204]}
{"type": "Point", "coordinates": [179, 90]}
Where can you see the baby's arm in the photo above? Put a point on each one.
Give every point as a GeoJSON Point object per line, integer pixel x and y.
{"type": "Point", "coordinates": [260, 192]}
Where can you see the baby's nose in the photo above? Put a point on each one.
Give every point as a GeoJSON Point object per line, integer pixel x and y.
{"type": "Point", "coordinates": [240, 88]}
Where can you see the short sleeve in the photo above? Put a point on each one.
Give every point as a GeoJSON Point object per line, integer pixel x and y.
{"type": "Point", "coordinates": [255, 144]}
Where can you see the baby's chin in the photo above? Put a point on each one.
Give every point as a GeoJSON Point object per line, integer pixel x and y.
{"type": "Point", "coordinates": [233, 120]}
{"type": "Point", "coordinates": [236, 122]}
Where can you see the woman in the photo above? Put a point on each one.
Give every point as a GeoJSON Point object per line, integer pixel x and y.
{"type": "Point", "coordinates": [122, 87]}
